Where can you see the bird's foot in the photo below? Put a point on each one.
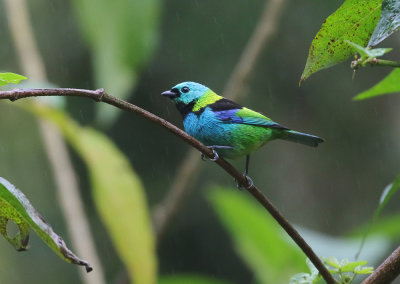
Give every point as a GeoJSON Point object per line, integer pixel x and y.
{"type": "Point", "coordinates": [249, 184]}
{"type": "Point", "coordinates": [216, 156]}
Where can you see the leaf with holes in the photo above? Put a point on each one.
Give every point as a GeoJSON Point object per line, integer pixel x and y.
{"type": "Point", "coordinates": [16, 207]}
{"type": "Point", "coordinates": [7, 78]}
{"type": "Point", "coordinates": [355, 21]}
{"type": "Point", "coordinates": [388, 23]}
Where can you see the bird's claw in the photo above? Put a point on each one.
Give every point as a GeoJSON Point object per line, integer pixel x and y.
{"type": "Point", "coordinates": [216, 156]}
{"type": "Point", "coordinates": [249, 184]}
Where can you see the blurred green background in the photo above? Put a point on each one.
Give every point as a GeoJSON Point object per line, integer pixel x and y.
{"type": "Point", "coordinates": [332, 190]}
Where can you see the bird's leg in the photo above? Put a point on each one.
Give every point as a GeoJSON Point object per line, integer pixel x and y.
{"type": "Point", "coordinates": [246, 173]}
{"type": "Point", "coordinates": [250, 182]}
{"type": "Point", "coordinates": [216, 156]}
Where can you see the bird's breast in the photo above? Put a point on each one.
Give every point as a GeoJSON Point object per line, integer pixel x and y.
{"type": "Point", "coordinates": [207, 128]}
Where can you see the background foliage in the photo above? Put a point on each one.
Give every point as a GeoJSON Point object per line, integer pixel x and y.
{"type": "Point", "coordinates": [332, 191]}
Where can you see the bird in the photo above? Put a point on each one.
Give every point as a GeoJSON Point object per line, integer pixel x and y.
{"type": "Point", "coordinates": [229, 129]}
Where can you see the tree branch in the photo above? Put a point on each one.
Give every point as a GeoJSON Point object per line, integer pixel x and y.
{"type": "Point", "coordinates": [101, 96]}
{"type": "Point", "coordinates": [387, 271]}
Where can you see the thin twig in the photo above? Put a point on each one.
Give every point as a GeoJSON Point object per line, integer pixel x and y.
{"type": "Point", "coordinates": [360, 62]}
{"type": "Point", "coordinates": [67, 187]}
{"type": "Point", "coordinates": [264, 31]}
{"type": "Point", "coordinates": [387, 271]}
{"type": "Point", "coordinates": [382, 62]}
{"type": "Point", "coordinates": [101, 95]}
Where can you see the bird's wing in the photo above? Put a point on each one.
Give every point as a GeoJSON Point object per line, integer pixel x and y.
{"type": "Point", "coordinates": [231, 112]}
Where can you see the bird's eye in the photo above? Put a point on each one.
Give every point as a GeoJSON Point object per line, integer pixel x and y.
{"type": "Point", "coordinates": [185, 89]}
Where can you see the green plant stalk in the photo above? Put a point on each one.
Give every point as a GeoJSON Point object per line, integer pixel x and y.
{"type": "Point", "coordinates": [382, 62]}
{"type": "Point", "coordinates": [373, 62]}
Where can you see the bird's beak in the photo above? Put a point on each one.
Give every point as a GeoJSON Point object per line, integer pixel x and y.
{"type": "Point", "coordinates": [170, 94]}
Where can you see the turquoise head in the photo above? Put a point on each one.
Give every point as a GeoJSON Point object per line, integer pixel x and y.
{"type": "Point", "coordinates": [186, 93]}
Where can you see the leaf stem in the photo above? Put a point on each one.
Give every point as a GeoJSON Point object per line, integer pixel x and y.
{"type": "Point", "coordinates": [101, 96]}
{"type": "Point", "coordinates": [355, 64]}
{"type": "Point", "coordinates": [382, 62]}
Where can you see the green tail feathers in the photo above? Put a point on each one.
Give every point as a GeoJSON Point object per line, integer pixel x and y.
{"type": "Point", "coordinates": [298, 137]}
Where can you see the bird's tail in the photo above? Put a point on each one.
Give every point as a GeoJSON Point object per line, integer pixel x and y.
{"type": "Point", "coordinates": [298, 137]}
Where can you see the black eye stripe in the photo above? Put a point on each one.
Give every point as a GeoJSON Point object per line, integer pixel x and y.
{"type": "Point", "coordinates": [185, 89]}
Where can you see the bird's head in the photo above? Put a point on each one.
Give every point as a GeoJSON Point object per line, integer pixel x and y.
{"type": "Point", "coordinates": [186, 92]}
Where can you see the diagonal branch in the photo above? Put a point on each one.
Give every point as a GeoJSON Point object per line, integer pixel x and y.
{"type": "Point", "coordinates": [387, 271]}
{"type": "Point", "coordinates": [101, 96]}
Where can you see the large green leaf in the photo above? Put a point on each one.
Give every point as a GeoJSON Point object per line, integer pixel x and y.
{"type": "Point", "coordinates": [7, 78]}
{"type": "Point", "coordinates": [257, 237]}
{"type": "Point", "coordinates": [389, 21]}
{"type": "Point", "coordinates": [118, 194]}
{"type": "Point", "coordinates": [355, 21]}
{"type": "Point", "coordinates": [16, 207]}
{"type": "Point", "coordinates": [122, 35]}
{"type": "Point", "coordinates": [389, 84]}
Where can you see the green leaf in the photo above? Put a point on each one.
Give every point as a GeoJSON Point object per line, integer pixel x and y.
{"type": "Point", "coordinates": [389, 22]}
{"type": "Point", "coordinates": [349, 267]}
{"type": "Point", "coordinates": [122, 36]}
{"type": "Point", "coordinates": [332, 261]}
{"type": "Point", "coordinates": [301, 278]}
{"type": "Point", "coordinates": [117, 191]}
{"type": "Point", "coordinates": [16, 207]}
{"type": "Point", "coordinates": [355, 20]}
{"type": "Point", "coordinates": [7, 78]}
{"type": "Point", "coordinates": [307, 278]}
{"type": "Point", "coordinates": [364, 270]}
{"type": "Point", "coordinates": [257, 237]}
{"type": "Point", "coordinates": [369, 52]}
{"type": "Point", "coordinates": [389, 84]}
{"type": "Point", "coordinates": [192, 279]}
{"type": "Point", "coordinates": [387, 194]}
